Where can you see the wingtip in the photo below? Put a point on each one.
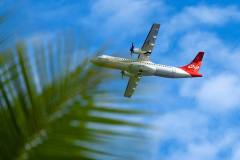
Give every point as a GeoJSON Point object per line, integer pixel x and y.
{"type": "Point", "coordinates": [127, 96]}
{"type": "Point", "coordinates": [199, 56]}
{"type": "Point", "coordinates": [158, 24]}
{"type": "Point", "coordinates": [201, 52]}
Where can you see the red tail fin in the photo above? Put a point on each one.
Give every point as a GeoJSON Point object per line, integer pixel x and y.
{"type": "Point", "coordinates": [194, 66]}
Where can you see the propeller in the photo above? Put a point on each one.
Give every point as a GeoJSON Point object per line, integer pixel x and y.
{"type": "Point", "coordinates": [132, 49]}
{"type": "Point", "coordinates": [122, 72]}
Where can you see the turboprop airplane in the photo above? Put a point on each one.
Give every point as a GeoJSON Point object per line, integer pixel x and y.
{"type": "Point", "coordinates": [142, 66]}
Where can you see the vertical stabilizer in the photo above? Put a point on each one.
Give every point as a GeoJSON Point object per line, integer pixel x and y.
{"type": "Point", "coordinates": [194, 66]}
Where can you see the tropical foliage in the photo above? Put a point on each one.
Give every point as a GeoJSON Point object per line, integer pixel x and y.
{"type": "Point", "coordinates": [49, 109]}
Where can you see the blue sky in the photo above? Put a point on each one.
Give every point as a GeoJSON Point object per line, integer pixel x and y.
{"type": "Point", "coordinates": [195, 118]}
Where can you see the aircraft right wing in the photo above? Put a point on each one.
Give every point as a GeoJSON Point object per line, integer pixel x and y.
{"type": "Point", "coordinates": [132, 84]}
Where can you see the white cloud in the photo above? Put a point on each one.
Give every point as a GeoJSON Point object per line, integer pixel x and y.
{"type": "Point", "coordinates": [195, 41]}
{"type": "Point", "coordinates": [219, 93]}
{"type": "Point", "coordinates": [211, 15]}
{"type": "Point", "coordinates": [126, 17]}
{"type": "Point", "coordinates": [196, 17]}
{"type": "Point", "coordinates": [218, 53]}
{"type": "Point", "coordinates": [207, 149]}
{"type": "Point", "coordinates": [218, 90]}
{"type": "Point", "coordinates": [191, 129]}
{"type": "Point", "coordinates": [184, 125]}
{"type": "Point", "coordinates": [236, 153]}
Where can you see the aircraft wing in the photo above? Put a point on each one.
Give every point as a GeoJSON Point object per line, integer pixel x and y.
{"type": "Point", "coordinates": [149, 42]}
{"type": "Point", "coordinates": [132, 84]}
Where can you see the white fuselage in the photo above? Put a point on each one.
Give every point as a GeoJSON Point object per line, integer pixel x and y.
{"type": "Point", "coordinates": [146, 68]}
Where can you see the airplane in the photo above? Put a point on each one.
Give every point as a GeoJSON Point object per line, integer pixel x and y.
{"type": "Point", "coordinates": [143, 66]}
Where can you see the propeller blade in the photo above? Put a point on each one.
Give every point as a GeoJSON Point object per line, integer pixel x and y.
{"type": "Point", "coordinates": [132, 48]}
{"type": "Point", "coordinates": [122, 72]}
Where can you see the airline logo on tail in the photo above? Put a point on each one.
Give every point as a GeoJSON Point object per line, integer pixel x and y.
{"type": "Point", "coordinates": [194, 66]}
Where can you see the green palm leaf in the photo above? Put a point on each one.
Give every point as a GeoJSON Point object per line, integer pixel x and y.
{"type": "Point", "coordinates": [48, 108]}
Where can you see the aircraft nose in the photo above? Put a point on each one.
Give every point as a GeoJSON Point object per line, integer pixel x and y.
{"type": "Point", "coordinates": [98, 59]}
{"type": "Point", "coordinates": [94, 60]}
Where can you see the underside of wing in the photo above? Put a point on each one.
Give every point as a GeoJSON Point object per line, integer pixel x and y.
{"type": "Point", "coordinates": [149, 42]}
{"type": "Point", "coordinates": [132, 84]}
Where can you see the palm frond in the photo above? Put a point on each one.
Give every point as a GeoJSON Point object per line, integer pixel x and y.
{"type": "Point", "coordinates": [48, 108]}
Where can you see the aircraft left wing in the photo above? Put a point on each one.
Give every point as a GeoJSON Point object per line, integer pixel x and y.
{"type": "Point", "coordinates": [149, 42]}
{"type": "Point", "coordinates": [132, 84]}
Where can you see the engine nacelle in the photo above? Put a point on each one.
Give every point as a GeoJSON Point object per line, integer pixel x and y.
{"type": "Point", "coordinates": [138, 51]}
